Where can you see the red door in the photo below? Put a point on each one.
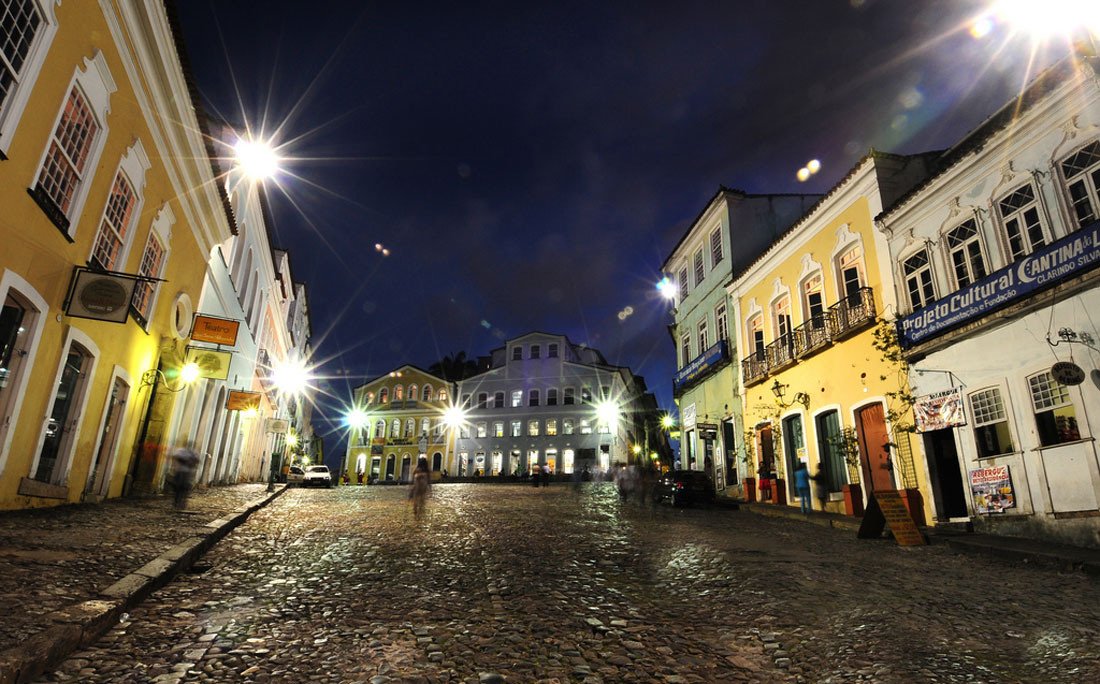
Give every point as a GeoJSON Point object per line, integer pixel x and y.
{"type": "Point", "coordinates": [874, 447]}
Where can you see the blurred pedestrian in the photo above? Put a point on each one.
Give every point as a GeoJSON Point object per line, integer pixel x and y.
{"type": "Point", "coordinates": [535, 475]}
{"type": "Point", "coordinates": [186, 459]}
{"type": "Point", "coordinates": [821, 485]}
{"type": "Point", "coordinates": [421, 487]}
{"type": "Point", "coordinates": [545, 475]}
{"type": "Point", "coordinates": [802, 484]}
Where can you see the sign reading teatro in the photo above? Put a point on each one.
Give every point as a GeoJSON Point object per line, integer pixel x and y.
{"type": "Point", "coordinates": [1072, 255]}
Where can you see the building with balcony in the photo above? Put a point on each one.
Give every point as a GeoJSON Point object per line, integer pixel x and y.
{"type": "Point", "coordinates": [814, 388]}
{"type": "Point", "coordinates": [733, 229]}
{"type": "Point", "coordinates": [996, 257]}
{"type": "Point", "coordinates": [543, 400]}
{"type": "Point", "coordinates": [405, 411]}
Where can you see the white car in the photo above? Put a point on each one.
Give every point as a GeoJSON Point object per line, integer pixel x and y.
{"type": "Point", "coordinates": [317, 475]}
{"type": "Point", "coordinates": [294, 476]}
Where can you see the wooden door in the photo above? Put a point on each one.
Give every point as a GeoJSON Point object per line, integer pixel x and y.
{"type": "Point", "coordinates": [874, 447]}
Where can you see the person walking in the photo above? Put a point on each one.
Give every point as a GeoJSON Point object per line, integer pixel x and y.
{"type": "Point", "coordinates": [421, 487]}
{"type": "Point", "coordinates": [186, 460]}
{"type": "Point", "coordinates": [802, 484]}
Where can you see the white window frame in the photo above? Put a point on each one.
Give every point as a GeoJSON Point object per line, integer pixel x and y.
{"type": "Point", "coordinates": [117, 373]}
{"type": "Point", "coordinates": [685, 349]}
{"type": "Point", "coordinates": [12, 282]}
{"type": "Point", "coordinates": [682, 280]}
{"type": "Point", "coordinates": [721, 322]}
{"type": "Point", "coordinates": [716, 254]}
{"type": "Point", "coordinates": [1072, 398]}
{"type": "Point", "coordinates": [699, 267]}
{"type": "Point", "coordinates": [96, 85]}
{"type": "Point", "coordinates": [905, 275]}
{"type": "Point", "coordinates": [161, 231]}
{"type": "Point", "coordinates": [964, 248]}
{"type": "Point", "coordinates": [517, 398]}
{"type": "Point", "coordinates": [1092, 192]}
{"type": "Point", "coordinates": [1019, 215]}
{"type": "Point", "coordinates": [132, 168]}
{"type": "Point", "coordinates": [978, 422]}
{"type": "Point", "coordinates": [702, 331]}
{"type": "Point", "coordinates": [13, 109]}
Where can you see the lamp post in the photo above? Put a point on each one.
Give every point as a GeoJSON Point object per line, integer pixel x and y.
{"type": "Point", "coordinates": [290, 379]}
{"type": "Point", "coordinates": [356, 420]}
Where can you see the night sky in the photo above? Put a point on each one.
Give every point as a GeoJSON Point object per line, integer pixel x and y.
{"type": "Point", "coordinates": [529, 165]}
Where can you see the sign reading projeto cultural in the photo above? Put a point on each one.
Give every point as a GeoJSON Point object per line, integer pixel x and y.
{"type": "Point", "coordinates": [1074, 254]}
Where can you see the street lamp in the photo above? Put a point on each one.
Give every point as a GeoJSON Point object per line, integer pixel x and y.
{"type": "Point", "coordinates": [667, 288]}
{"type": "Point", "coordinates": [256, 158]}
{"type": "Point", "coordinates": [668, 422]}
{"type": "Point", "coordinates": [356, 418]}
{"type": "Point", "coordinates": [1043, 20]}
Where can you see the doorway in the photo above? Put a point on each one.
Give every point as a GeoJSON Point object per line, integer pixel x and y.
{"type": "Point", "coordinates": [794, 444]}
{"type": "Point", "coordinates": [99, 479]}
{"type": "Point", "coordinates": [947, 483]}
{"type": "Point", "coordinates": [61, 423]}
{"type": "Point", "coordinates": [874, 445]}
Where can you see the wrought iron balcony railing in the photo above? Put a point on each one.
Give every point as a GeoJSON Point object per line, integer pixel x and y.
{"type": "Point", "coordinates": [853, 312]}
{"type": "Point", "coordinates": [813, 334]}
{"type": "Point", "coordinates": [754, 367]}
{"type": "Point", "coordinates": [781, 351]}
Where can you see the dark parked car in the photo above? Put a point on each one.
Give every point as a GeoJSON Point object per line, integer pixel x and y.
{"type": "Point", "coordinates": [684, 487]}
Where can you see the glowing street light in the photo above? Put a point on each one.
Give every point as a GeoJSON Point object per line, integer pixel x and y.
{"type": "Point", "coordinates": [637, 449]}
{"type": "Point", "coordinates": [454, 417]}
{"type": "Point", "coordinates": [1050, 18]}
{"type": "Point", "coordinates": [667, 288]}
{"type": "Point", "coordinates": [668, 422]}
{"type": "Point", "coordinates": [291, 377]}
{"type": "Point", "coordinates": [607, 412]}
{"type": "Point", "coordinates": [190, 373]}
{"type": "Point", "coordinates": [256, 159]}
{"type": "Point", "coordinates": [356, 418]}
{"type": "Point", "coordinates": [291, 439]}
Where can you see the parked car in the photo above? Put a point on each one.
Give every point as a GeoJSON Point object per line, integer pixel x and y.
{"type": "Point", "coordinates": [317, 476]}
{"type": "Point", "coordinates": [294, 476]}
{"type": "Point", "coordinates": [684, 488]}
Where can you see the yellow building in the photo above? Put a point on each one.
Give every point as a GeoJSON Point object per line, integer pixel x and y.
{"type": "Point", "coordinates": [109, 215]}
{"type": "Point", "coordinates": [815, 387]}
{"type": "Point", "coordinates": [404, 420]}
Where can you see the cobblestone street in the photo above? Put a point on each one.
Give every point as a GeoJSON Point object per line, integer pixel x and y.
{"type": "Point", "coordinates": [551, 585]}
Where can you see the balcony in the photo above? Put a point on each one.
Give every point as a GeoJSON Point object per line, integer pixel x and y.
{"type": "Point", "coordinates": [853, 313]}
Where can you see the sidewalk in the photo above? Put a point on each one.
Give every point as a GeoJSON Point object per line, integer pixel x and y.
{"type": "Point", "coordinates": [1014, 549]}
{"type": "Point", "coordinates": [67, 573]}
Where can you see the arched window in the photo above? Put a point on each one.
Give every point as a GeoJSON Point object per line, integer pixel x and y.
{"type": "Point", "coordinates": [370, 397]}
{"type": "Point", "coordinates": [437, 461]}
{"type": "Point", "coordinates": [442, 394]}
{"type": "Point", "coordinates": [384, 395]}
{"type": "Point", "coordinates": [410, 427]}
{"type": "Point", "coordinates": [412, 392]}
{"type": "Point", "coordinates": [395, 429]}
{"type": "Point", "coordinates": [425, 426]}
{"type": "Point", "coordinates": [380, 429]}
{"type": "Point", "coordinates": [398, 393]}
{"type": "Point", "coordinates": [498, 400]}
{"type": "Point", "coordinates": [427, 392]}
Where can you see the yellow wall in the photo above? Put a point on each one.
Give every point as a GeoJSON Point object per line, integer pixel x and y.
{"type": "Point", "coordinates": [846, 375]}
{"type": "Point", "coordinates": [37, 251]}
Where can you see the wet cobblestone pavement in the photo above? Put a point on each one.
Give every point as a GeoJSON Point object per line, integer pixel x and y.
{"type": "Point", "coordinates": [53, 557]}
{"type": "Point", "coordinates": [518, 584]}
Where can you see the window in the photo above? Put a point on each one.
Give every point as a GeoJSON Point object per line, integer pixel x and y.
{"type": "Point", "coordinates": [603, 427]}
{"type": "Point", "coordinates": [117, 217]}
{"type": "Point", "coordinates": [704, 343]}
{"type": "Point", "coordinates": [410, 428]}
{"type": "Point", "coordinates": [851, 273]}
{"type": "Point", "coordinates": [697, 263]}
{"type": "Point", "coordinates": [69, 149]}
{"type": "Point", "coordinates": [586, 395]}
{"type": "Point", "coordinates": [567, 426]}
{"type": "Point", "coordinates": [536, 351]}
{"type": "Point", "coordinates": [990, 423]}
{"type": "Point", "coordinates": [152, 264]}
{"type": "Point", "coordinates": [427, 393]}
{"type": "Point", "coordinates": [412, 392]}
{"type": "Point", "coordinates": [399, 393]}
{"type": "Point", "coordinates": [586, 426]}
{"type": "Point", "coordinates": [442, 395]}
{"type": "Point", "coordinates": [517, 398]}
{"type": "Point", "coordinates": [533, 398]}
{"type": "Point", "coordinates": [498, 429]}
{"type": "Point", "coordinates": [517, 353]}
{"type": "Point", "coordinates": [552, 397]}
{"type": "Point", "coordinates": [552, 351]}
{"type": "Point", "coordinates": [551, 426]}
{"type": "Point", "coordinates": [1082, 173]}
{"type": "Point", "coordinates": [721, 326]}
{"type": "Point", "coordinates": [567, 397]}
{"type": "Point", "coordinates": [465, 399]}
{"type": "Point", "coordinates": [756, 334]}
{"type": "Point", "coordinates": [62, 424]}
{"type": "Point", "coordinates": [683, 283]}
{"type": "Point", "coordinates": [685, 350]}
{"type": "Point", "coordinates": [481, 429]}
{"type": "Point", "coordinates": [482, 399]}
{"type": "Point", "coordinates": [464, 431]}
{"type": "Point", "coordinates": [966, 253]}
{"type": "Point", "coordinates": [395, 428]}
{"type": "Point", "coordinates": [517, 428]}
{"type": "Point", "coordinates": [814, 301]}
{"type": "Point", "coordinates": [498, 400]}
{"type": "Point", "coordinates": [437, 430]}
{"type": "Point", "coordinates": [28, 27]}
{"type": "Point", "coordinates": [1020, 217]}
{"type": "Point", "coordinates": [918, 280]}
{"type": "Point", "coordinates": [20, 321]}
{"type": "Point", "coordinates": [781, 317]}
{"type": "Point", "coordinates": [715, 246]}
{"type": "Point", "coordinates": [425, 426]}
{"type": "Point", "coordinates": [370, 398]}
{"type": "Point", "coordinates": [1054, 414]}
{"type": "Point", "coordinates": [533, 428]}
{"type": "Point", "coordinates": [605, 392]}
{"type": "Point", "coordinates": [380, 429]}
{"type": "Point", "coordinates": [383, 396]}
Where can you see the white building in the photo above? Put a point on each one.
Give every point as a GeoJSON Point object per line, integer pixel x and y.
{"type": "Point", "coordinates": [995, 257]}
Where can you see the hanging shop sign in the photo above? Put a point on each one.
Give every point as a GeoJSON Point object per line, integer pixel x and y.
{"type": "Point", "coordinates": [279, 426]}
{"type": "Point", "coordinates": [215, 330]}
{"type": "Point", "coordinates": [991, 489]}
{"type": "Point", "coordinates": [709, 360]}
{"type": "Point", "coordinates": [212, 364]}
{"type": "Point", "coordinates": [1073, 255]}
{"type": "Point", "coordinates": [687, 417]}
{"type": "Point", "coordinates": [1068, 373]}
{"type": "Point", "coordinates": [939, 410]}
{"type": "Point", "coordinates": [99, 295]}
{"type": "Point", "coordinates": [239, 400]}
{"type": "Point", "coordinates": [707, 430]}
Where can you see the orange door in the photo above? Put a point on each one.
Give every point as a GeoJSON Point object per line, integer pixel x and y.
{"type": "Point", "coordinates": [874, 447]}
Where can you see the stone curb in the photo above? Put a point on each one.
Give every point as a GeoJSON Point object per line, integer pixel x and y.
{"type": "Point", "coordinates": [81, 624]}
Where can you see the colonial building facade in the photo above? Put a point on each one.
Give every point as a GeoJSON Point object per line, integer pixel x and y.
{"type": "Point", "coordinates": [727, 235]}
{"type": "Point", "coordinates": [995, 257]}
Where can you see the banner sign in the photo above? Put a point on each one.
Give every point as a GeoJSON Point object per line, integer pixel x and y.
{"type": "Point", "coordinates": [100, 296]}
{"type": "Point", "coordinates": [212, 364]}
{"type": "Point", "coordinates": [1072, 255]}
{"type": "Point", "coordinates": [992, 489]}
{"type": "Point", "coordinates": [243, 401]}
{"type": "Point", "coordinates": [700, 365]}
{"type": "Point", "coordinates": [215, 330]}
{"type": "Point", "coordinates": [939, 410]}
